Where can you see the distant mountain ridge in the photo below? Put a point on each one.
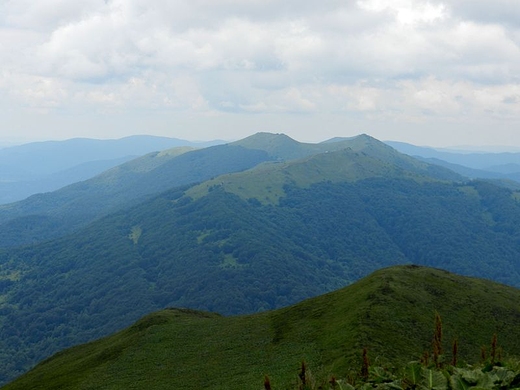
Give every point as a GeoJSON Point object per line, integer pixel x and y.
{"type": "Point", "coordinates": [61, 212]}
{"type": "Point", "coordinates": [55, 156]}
{"type": "Point", "coordinates": [345, 160]}
{"type": "Point", "coordinates": [390, 313]}
{"type": "Point", "coordinates": [46, 166]}
{"type": "Point", "coordinates": [17, 190]}
{"type": "Point", "coordinates": [51, 215]}
{"type": "Point", "coordinates": [504, 165]}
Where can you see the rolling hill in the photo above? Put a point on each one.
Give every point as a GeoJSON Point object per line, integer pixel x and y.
{"type": "Point", "coordinates": [45, 216]}
{"type": "Point", "coordinates": [51, 215]}
{"type": "Point", "coordinates": [504, 165]}
{"type": "Point", "coordinates": [344, 161]}
{"type": "Point", "coordinates": [390, 313]}
{"type": "Point", "coordinates": [259, 239]}
{"type": "Point", "coordinates": [39, 167]}
{"type": "Point", "coordinates": [19, 189]}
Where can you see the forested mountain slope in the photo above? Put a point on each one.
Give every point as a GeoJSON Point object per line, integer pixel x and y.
{"type": "Point", "coordinates": [257, 240]}
{"type": "Point", "coordinates": [345, 161]}
{"type": "Point", "coordinates": [391, 313]}
{"type": "Point", "coordinates": [50, 215]}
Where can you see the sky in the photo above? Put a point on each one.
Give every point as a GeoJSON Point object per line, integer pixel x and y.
{"type": "Point", "coordinates": [439, 73]}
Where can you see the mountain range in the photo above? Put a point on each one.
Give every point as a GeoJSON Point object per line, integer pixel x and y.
{"type": "Point", "coordinates": [241, 228]}
{"type": "Point", "coordinates": [51, 215]}
{"type": "Point", "coordinates": [39, 167]}
{"type": "Point", "coordinates": [498, 166]}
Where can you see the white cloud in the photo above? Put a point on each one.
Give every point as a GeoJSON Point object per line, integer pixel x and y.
{"type": "Point", "coordinates": [407, 60]}
{"type": "Point", "coordinates": [47, 15]}
{"type": "Point", "coordinates": [502, 12]}
{"type": "Point", "coordinates": [407, 11]}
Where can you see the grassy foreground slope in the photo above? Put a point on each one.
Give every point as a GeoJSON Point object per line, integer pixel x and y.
{"type": "Point", "coordinates": [389, 312]}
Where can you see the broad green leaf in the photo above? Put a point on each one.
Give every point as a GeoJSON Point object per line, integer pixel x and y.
{"type": "Point", "coordinates": [458, 383]}
{"type": "Point", "coordinates": [395, 385]}
{"type": "Point", "coordinates": [366, 386]}
{"type": "Point", "coordinates": [379, 374]}
{"type": "Point", "coordinates": [432, 379]}
{"type": "Point", "coordinates": [487, 380]}
{"type": "Point", "coordinates": [412, 373]}
{"type": "Point", "coordinates": [503, 375]}
{"type": "Point", "coordinates": [472, 377]}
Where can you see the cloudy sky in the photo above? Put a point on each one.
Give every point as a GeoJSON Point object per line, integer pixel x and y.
{"type": "Point", "coordinates": [427, 72]}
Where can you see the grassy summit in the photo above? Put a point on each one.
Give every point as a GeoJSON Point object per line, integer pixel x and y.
{"type": "Point", "coordinates": [348, 160]}
{"type": "Point", "coordinates": [389, 312]}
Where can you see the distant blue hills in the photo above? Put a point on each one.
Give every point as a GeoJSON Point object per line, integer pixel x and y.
{"type": "Point", "coordinates": [40, 167]}
{"type": "Point", "coordinates": [486, 165]}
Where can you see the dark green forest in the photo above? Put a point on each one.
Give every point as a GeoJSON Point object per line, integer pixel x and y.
{"type": "Point", "coordinates": [55, 214]}
{"type": "Point", "coordinates": [225, 254]}
{"type": "Point", "coordinates": [51, 215]}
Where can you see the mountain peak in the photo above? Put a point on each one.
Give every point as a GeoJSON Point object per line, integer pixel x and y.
{"type": "Point", "coordinates": [265, 136]}
{"type": "Point", "coordinates": [341, 139]}
{"type": "Point", "coordinates": [278, 145]}
{"type": "Point", "coordinates": [282, 147]}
